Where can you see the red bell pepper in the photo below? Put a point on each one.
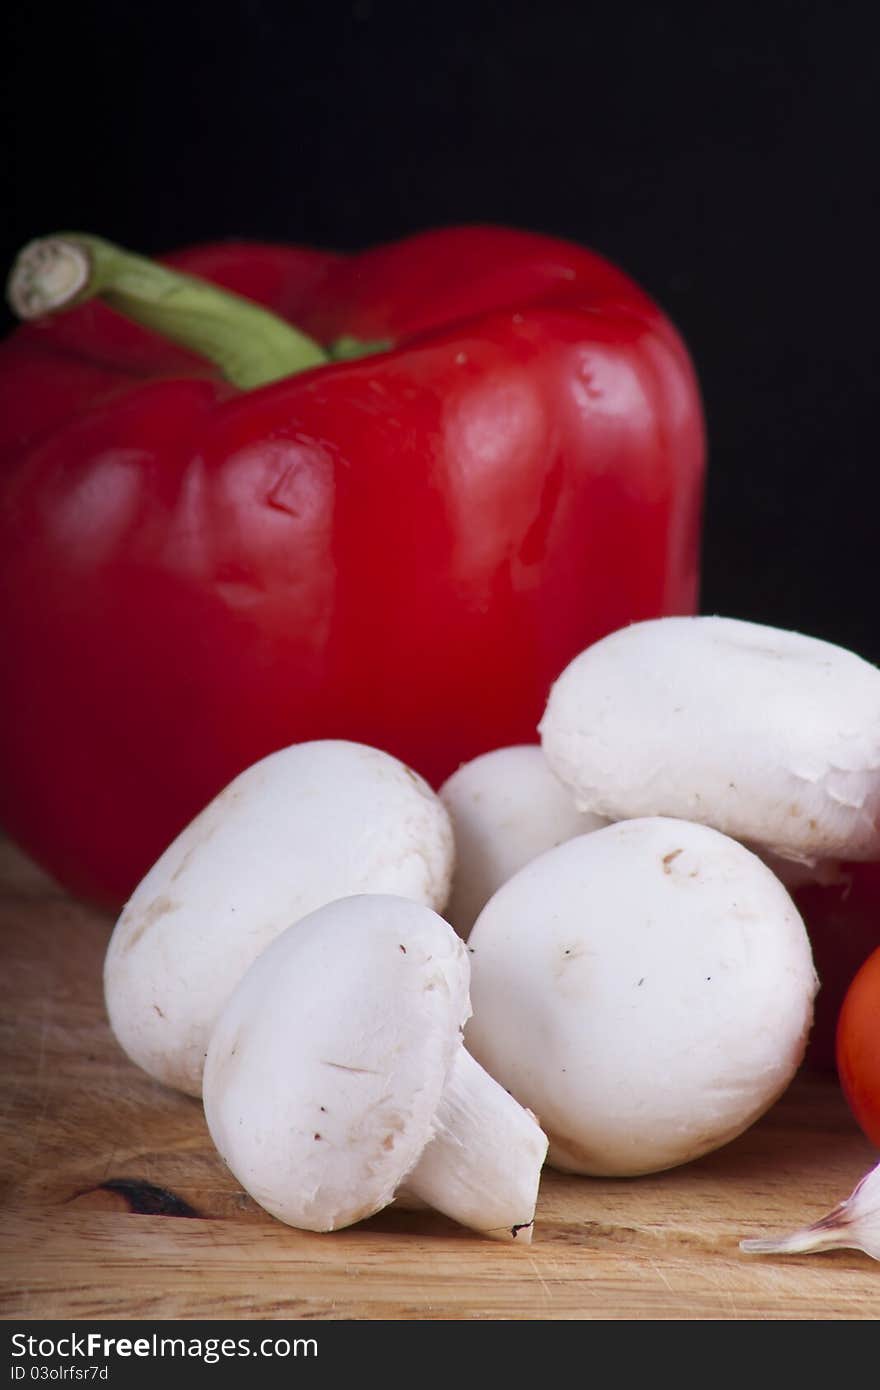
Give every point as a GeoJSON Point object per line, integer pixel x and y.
{"type": "Point", "coordinates": [842, 918]}
{"type": "Point", "coordinates": [204, 560]}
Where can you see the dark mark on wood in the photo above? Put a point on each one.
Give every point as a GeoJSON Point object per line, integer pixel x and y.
{"type": "Point", "coordinates": [144, 1198]}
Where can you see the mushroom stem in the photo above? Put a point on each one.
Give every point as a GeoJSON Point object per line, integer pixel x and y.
{"type": "Point", "coordinates": [483, 1165]}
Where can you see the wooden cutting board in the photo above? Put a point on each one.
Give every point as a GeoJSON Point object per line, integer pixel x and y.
{"type": "Point", "coordinates": [114, 1203]}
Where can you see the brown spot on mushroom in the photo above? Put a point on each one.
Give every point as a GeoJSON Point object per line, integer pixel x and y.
{"type": "Point", "coordinates": [358, 1071]}
{"type": "Point", "coordinates": [152, 913]}
{"type": "Point", "coordinates": [571, 953]}
{"type": "Point", "coordinates": [668, 858]}
{"type": "Point", "coordinates": [232, 793]}
{"type": "Point", "coordinates": [567, 956]}
{"type": "Point", "coordinates": [418, 782]}
{"type": "Point", "coordinates": [388, 1142]}
{"type": "Point", "coordinates": [574, 1156]}
{"type": "Point", "coordinates": [181, 868]}
{"type": "Point", "coordinates": [158, 1011]}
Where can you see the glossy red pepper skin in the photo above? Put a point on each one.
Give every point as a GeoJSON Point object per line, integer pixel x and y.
{"type": "Point", "coordinates": [405, 549]}
{"type": "Point", "coordinates": [843, 922]}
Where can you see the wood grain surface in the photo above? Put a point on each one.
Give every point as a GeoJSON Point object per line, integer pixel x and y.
{"type": "Point", "coordinates": [100, 1167]}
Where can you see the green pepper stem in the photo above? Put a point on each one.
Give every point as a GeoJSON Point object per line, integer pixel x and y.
{"type": "Point", "coordinates": [249, 345]}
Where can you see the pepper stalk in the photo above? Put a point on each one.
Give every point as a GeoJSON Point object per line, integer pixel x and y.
{"type": "Point", "coordinates": [249, 345]}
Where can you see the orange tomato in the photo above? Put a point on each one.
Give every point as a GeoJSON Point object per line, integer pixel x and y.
{"type": "Point", "coordinates": [858, 1046]}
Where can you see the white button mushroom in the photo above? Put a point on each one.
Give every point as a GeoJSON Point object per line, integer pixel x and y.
{"type": "Point", "coordinates": [646, 989]}
{"type": "Point", "coordinates": [307, 825]}
{"type": "Point", "coordinates": [337, 1070]}
{"type": "Point", "coordinates": [506, 807]}
{"type": "Point", "coordinates": [770, 736]}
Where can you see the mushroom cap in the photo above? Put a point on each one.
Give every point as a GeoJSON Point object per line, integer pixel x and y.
{"type": "Point", "coordinates": [506, 807]}
{"type": "Point", "coordinates": [328, 1062]}
{"type": "Point", "coordinates": [770, 736]}
{"type": "Point", "coordinates": [646, 989]}
{"type": "Point", "coordinates": [309, 824]}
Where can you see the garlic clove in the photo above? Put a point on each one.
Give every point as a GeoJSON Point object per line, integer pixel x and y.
{"type": "Point", "coordinates": [852, 1225]}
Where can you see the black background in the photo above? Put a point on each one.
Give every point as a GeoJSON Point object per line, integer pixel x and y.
{"type": "Point", "coordinates": [725, 156]}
